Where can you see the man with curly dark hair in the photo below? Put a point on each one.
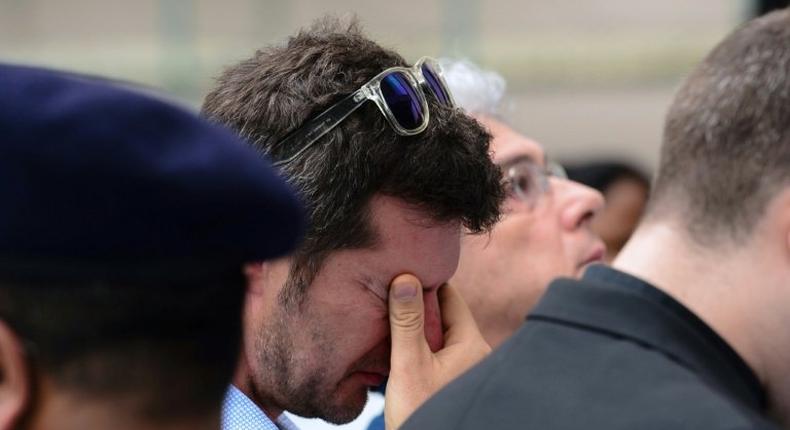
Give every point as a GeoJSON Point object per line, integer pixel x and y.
{"type": "Point", "coordinates": [390, 172]}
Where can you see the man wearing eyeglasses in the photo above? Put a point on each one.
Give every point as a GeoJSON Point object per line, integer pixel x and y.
{"type": "Point", "coordinates": [544, 232]}
{"type": "Point", "coordinates": [390, 173]}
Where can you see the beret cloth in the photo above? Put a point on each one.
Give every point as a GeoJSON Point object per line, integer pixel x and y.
{"type": "Point", "coordinates": [99, 181]}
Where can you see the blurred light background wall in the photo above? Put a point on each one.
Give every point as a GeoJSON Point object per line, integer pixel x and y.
{"type": "Point", "coordinates": [587, 78]}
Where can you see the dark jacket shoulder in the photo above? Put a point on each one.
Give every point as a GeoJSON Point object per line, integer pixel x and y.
{"type": "Point", "coordinates": [558, 373]}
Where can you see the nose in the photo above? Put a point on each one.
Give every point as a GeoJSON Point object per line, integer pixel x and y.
{"type": "Point", "coordinates": [579, 203]}
{"type": "Point", "coordinates": [433, 320]}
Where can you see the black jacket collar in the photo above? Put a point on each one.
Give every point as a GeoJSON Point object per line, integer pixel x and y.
{"type": "Point", "coordinates": [619, 304]}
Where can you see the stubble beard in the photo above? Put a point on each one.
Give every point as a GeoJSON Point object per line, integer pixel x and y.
{"type": "Point", "coordinates": [300, 386]}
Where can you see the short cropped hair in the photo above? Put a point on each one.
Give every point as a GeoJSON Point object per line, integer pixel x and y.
{"type": "Point", "coordinates": [444, 171]}
{"type": "Point", "coordinates": [167, 348]}
{"type": "Point", "coordinates": [726, 147]}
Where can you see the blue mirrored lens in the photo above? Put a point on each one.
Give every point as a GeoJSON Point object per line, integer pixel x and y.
{"type": "Point", "coordinates": [402, 100]}
{"type": "Point", "coordinates": [435, 84]}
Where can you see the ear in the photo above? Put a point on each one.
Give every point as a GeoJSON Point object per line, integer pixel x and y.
{"type": "Point", "coordinates": [778, 212]}
{"type": "Point", "coordinates": [255, 274]}
{"type": "Point", "coordinates": [777, 219]}
{"type": "Point", "coordinates": [15, 385]}
{"type": "Point", "coordinates": [786, 231]}
{"type": "Point", "coordinates": [267, 276]}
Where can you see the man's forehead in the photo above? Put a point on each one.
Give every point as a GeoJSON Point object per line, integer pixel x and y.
{"type": "Point", "coordinates": [508, 145]}
{"type": "Point", "coordinates": [409, 240]}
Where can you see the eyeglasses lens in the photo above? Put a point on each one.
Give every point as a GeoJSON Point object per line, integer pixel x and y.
{"type": "Point", "coordinates": [402, 100]}
{"type": "Point", "coordinates": [527, 182]}
{"type": "Point", "coordinates": [523, 184]}
{"type": "Point", "coordinates": [556, 170]}
{"type": "Point", "coordinates": [436, 85]}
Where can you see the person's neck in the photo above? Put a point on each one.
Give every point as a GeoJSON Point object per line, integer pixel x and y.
{"type": "Point", "coordinates": [243, 380]}
{"type": "Point", "coordinates": [728, 287]}
{"type": "Point", "coordinates": [496, 334]}
{"type": "Point", "coordinates": [67, 412]}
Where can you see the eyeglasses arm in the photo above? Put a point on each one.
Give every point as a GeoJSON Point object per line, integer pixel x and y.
{"type": "Point", "coordinates": [306, 135]}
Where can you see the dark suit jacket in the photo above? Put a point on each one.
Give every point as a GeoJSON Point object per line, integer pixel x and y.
{"type": "Point", "coordinates": [607, 352]}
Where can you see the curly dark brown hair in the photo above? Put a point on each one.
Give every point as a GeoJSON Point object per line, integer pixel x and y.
{"type": "Point", "coordinates": [444, 171]}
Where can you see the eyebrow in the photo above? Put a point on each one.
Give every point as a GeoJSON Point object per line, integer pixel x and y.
{"type": "Point", "coordinates": [508, 162]}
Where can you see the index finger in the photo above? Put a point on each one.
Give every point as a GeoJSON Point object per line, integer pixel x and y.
{"type": "Point", "coordinates": [457, 319]}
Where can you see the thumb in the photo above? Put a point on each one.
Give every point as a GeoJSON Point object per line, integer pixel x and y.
{"type": "Point", "coordinates": [407, 321]}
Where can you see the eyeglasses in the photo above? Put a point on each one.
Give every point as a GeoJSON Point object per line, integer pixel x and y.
{"type": "Point", "coordinates": [397, 92]}
{"type": "Point", "coordinates": [528, 181]}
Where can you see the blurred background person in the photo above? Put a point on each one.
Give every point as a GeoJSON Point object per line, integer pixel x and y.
{"type": "Point", "coordinates": [625, 189]}
{"type": "Point", "coordinates": [124, 225]}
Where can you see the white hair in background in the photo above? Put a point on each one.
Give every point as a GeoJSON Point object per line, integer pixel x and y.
{"type": "Point", "coordinates": [476, 91]}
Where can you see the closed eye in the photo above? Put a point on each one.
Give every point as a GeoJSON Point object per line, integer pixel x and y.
{"type": "Point", "coordinates": [374, 288]}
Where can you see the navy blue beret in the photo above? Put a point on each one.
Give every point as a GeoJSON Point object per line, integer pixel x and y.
{"type": "Point", "coordinates": [98, 181]}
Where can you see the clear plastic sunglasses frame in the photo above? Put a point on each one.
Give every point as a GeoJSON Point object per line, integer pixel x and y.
{"type": "Point", "coordinates": [321, 124]}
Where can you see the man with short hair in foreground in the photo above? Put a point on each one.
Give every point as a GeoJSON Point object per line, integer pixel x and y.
{"type": "Point", "coordinates": [689, 330]}
{"type": "Point", "coordinates": [390, 172]}
{"type": "Point", "coordinates": [124, 225]}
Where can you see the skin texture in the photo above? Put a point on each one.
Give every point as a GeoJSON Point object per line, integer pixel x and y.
{"type": "Point", "coordinates": [502, 275]}
{"type": "Point", "coordinates": [320, 359]}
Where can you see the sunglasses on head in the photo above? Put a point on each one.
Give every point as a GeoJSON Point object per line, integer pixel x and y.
{"type": "Point", "coordinates": [397, 92]}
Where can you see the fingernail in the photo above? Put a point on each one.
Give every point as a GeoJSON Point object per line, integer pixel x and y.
{"type": "Point", "coordinates": [405, 291]}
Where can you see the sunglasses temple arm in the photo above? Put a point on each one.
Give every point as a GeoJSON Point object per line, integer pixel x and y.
{"type": "Point", "coordinates": [320, 125]}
